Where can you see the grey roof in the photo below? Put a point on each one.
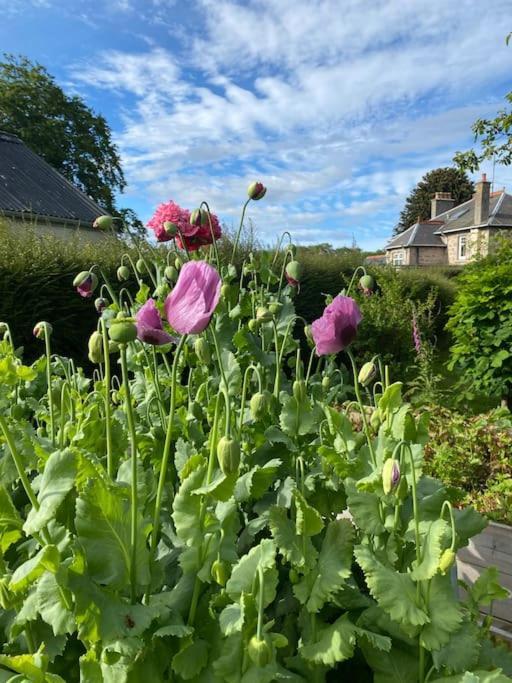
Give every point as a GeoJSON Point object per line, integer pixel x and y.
{"type": "Point", "coordinates": [418, 235]}
{"type": "Point", "coordinates": [30, 187]}
{"type": "Point", "coordinates": [461, 217]}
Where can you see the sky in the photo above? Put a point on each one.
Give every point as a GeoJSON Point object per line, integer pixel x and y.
{"type": "Point", "coordinates": [337, 106]}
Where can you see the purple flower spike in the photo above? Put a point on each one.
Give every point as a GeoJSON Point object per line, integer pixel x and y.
{"type": "Point", "coordinates": [149, 325]}
{"type": "Point", "coordinates": [191, 304]}
{"type": "Point", "coordinates": [337, 328]}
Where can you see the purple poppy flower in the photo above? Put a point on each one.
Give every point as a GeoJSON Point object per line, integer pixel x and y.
{"type": "Point", "coordinates": [149, 325]}
{"type": "Point", "coordinates": [337, 328]}
{"type": "Point", "coordinates": [85, 283]}
{"type": "Point", "coordinates": [190, 305]}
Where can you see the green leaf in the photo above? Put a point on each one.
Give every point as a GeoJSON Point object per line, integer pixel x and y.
{"type": "Point", "coordinates": [53, 602]}
{"type": "Point", "coordinates": [33, 667]}
{"type": "Point", "coordinates": [308, 520]}
{"type": "Point", "coordinates": [334, 643]}
{"type": "Point", "coordinates": [57, 481]}
{"type": "Point", "coordinates": [297, 549]}
{"type": "Point", "coordinates": [104, 531]}
{"type": "Point", "coordinates": [243, 573]}
{"type": "Point", "coordinates": [297, 419]}
{"type": "Point", "coordinates": [462, 650]}
{"type": "Point", "coordinates": [191, 658]}
{"type": "Point", "coordinates": [364, 508]}
{"type": "Point", "coordinates": [395, 592]}
{"type": "Point", "coordinates": [487, 587]}
{"type": "Point", "coordinates": [187, 507]}
{"type": "Point", "coordinates": [231, 372]}
{"type": "Point", "coordinates": [231, 619]}
{"type": "Point", "coordinates": [48, 558]}
{"type": "Point", "coordinates": [333, 567]}
{"type": "Point", "coordinates": [10, 521]}
{"type": "Point", "coordinates": [399, 665]}
{"type": "Point", "coordinates": [430, 551]}
{"type": "Point", "coordinates": [391, 399]}
{"type": "Point", "coordinates": [444, 611]}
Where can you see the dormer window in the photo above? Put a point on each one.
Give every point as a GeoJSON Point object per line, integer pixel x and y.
{"type": "Point", "coordinates": [463, 247]}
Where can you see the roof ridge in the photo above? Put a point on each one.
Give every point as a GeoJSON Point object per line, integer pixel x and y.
{"type": "Point", "coordinates": [10, 137]}
{"type": "Point", "coordinates": [413, 235]}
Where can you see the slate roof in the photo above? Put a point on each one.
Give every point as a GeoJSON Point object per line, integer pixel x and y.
{"type": "Point", "coordinates": [30, 187]}
{"type": "Point", "coordinates": [421, 234]}
{"type": "Point", "coordinates": [462, 216]}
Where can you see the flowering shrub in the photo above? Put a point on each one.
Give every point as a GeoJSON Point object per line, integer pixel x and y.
{"type": "Point", "coordinates": [210, 516]}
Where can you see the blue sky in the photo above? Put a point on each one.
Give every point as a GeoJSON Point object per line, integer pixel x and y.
{"type": "Point", "coordinates": [338, 106]}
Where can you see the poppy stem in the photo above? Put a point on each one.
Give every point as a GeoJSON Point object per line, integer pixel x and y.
{"type": "Point", "coordinates": [239, 232]}
{"type": "Point", "coordinates": [49, 381]}
{"type": "Point", "coordinates": [361, 408]}
{"type": "Point", "coordinates": [108, 419]}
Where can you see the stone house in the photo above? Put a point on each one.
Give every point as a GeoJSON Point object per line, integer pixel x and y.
{"type": "Point", "coordinates": [33, 195]}
{"type": "Point", "coordinates": [454, 235]}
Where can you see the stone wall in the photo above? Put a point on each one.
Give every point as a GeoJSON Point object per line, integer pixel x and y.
{"type": "Point", "coordinates": [432, 256]}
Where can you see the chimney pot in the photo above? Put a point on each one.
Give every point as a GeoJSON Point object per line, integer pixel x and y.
{"type": "Point", "coordinates": [441, 202]}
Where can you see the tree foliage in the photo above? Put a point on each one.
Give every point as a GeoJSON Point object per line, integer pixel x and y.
{"type": "Point", "coordinates": [447, 179]}
{"type": "Point", "coordinates": [61, 128]}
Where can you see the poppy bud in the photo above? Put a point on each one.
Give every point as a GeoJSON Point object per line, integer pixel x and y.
{"type": "Point", "coordinates": [299, 390]}
{"type": "Point", "coordinates": [85, 283]}
{"type": "Point", "coordinates": [4, 327]}
{"type": "Point", "coordinates": [309, 335]}
{"type": "Point", "coordinates": [367, 284]}
{"type": "Point", "coordinates": [446, 561]}
{"type": "Point", "coordinates": [103, 223]}
{"type": "Point", "coordinates": [171, 273]}
{"type": "Point", "coordinates": [123, 273]}
{"type": "Point", "coordinates": [116, 399]}
{"type": "Point", "coordinates": [263, 314]}
{"type": "Point", "coordinates": [390, 475]}
{"type": "Point", "coordinates": [140, 265]}
{"type": "Point", "coordinates": [293, 273]}
{"type": "Point", "coordinates": [256, 190]}
{"type": "Point", "coordinates": [367, 373]}
{"type": "Point", "coordinates": [225, 290]}
{"type": "Point", "coordinates": [161, 291]}
{"type": "Point", "coordinates": [326, 383]}
{"type": "Point", "coordinates": [228, 454]}
{"type": "Point", "coordinates": [41, 328]}
{"type": "Point", "coordinates": [260, 651]}
{"type": "Point", "coordinates": [199, 217]}
{"type": "Point", "coordinates": [96, 347]}
{"type": "Point", "coordinates": [122, 330]}
{"type": "Point", "coordinates": [258, 405]}
{"type": "Point", "coordinates": [254, 325]}
{"type": "Point", "coordinates": [202, 350]}
{"type": "Point", "coordinates": [178, 263]}
{"type": "Point", "coordinates": [220, 572]}
{"type": "Point", "coordinates": [100, 304]}
{"type": "Point", "coordinates": [275, 307]}
{"type": "Point", "coordinates": [170, 228]}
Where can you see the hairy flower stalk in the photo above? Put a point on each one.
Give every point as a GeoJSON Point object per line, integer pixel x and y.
{"type": "Point", "coordinates": [416, 335]}
{"type": "Point", "coordinates": [108, 407]}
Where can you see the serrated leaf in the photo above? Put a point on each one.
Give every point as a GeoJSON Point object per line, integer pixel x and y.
{"type": "Point", "coordinates": [308, 520]}
{"type": "Point", "coordinates": [399, 665]}
{"type": "Point", "coordinates": [10, 521]}
{"type": "Point", "coordinates": [444, 611]}
{"type": "Point", "coordinates": [364, 508]}
{"type": "Point", "coordinates": [187, 508]}
{"type": "Point", "coordinates": [51, 602]}
{"type": "Point", "coordinates": [190, 659]}
{"type": "Point", "coordinates": [57, 481]}
{"type": "Point", "coordinates": [296, 418]}
{"type": "Point", "coordinates": [334, 643]}
{"type": "Point", "coordinates": [333, 567]}
{"type": "Point", "coordinates": [47, 559]}
{"type": "Point", "coordinates": [487, 587]}
{"type": "Point", "coordinates": [431, 550]}
{"type": "Point", "coordinates": [462, 650]}
{"type": "Point", "coordinates": [243, 574]}
{"type": "Point", "coordinates": [395, 592]}
{"type": "Point", "coordinates": [231, 619]}
{"type": "Point", "coordinates": [298, 550]}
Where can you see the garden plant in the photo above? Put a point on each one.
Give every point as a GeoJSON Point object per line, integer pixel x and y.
{"type": "Point", "coordinates": [214, 504]}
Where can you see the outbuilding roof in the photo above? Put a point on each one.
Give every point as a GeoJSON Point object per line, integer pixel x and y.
{"type": "Point", "coordinates": [421, 234]}
{"type": "Point", "coordinates": [30, 187]}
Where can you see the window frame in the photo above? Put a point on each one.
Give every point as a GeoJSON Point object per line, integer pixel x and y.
{"type": "Point", "coordinates": [462, 247]}
{"type": "Point", "coordinates": [398, 258]}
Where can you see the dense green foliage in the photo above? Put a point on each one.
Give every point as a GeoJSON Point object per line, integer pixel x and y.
{"type": "Point", "coordinates": [241, 571]}
{"type": "Point", "coordinates": [417, 204]}
{"type": "Point", "coordinates": [472, 455]}
{"type": "Point", "coordinates": [481, 325]}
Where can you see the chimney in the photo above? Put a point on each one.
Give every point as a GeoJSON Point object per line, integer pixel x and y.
{"type": "Point", "coordinates": [482, 195]}
{"type": "Point", "coordinates": [442, 202]}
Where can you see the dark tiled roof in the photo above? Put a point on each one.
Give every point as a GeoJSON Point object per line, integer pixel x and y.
{"type": "Point", "coordinates": [30, 187]}
{"type": "Point", "coordinates": [418, 235]}
{"type": "Point", "coordinates": [463, 216]}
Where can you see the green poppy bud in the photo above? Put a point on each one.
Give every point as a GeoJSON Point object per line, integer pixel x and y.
{"type": "Point", "coordinates": [390, 475]}
{"type": "Point", "coordinates": [256, 190]}
{"type": "Point", "coordinates": [199, 217]}
{"type": "Point", "coordinates": [178, 263]}
{"type": "Point", "coordinates": [103, 223]}
{"type": "Point", "coordinates": [260, 651]}
{"type": "Point", "coordinates": [225, 290]}
{"type": "Point", "coordinates": [367, 284]}
{"type": "Point", "coordinates": [275, 307]}
{"type": "Point", "coordinates": [41, 328]}
{"type": "Point", "coordinates": [446, 561]}
{"type": "Point", "coordinates": [171, 273]}
{"type": "Point", "coordinates": [4, 327]}
{"type": "Point", "coordinates": [308, 333]}
{"type": "Point", "coordinates": [220, 572]}
{"type": "Point", "coordinates": [251, 285]}
{"type": "Point", "coordinates": [228, 454]}
{"type": "Point", "coordinates": [82, 275]}
{"type": "Point", "coordinates": [367, 373]}
{"type": "Point", "coordinates": [326, 383]}
{"type": "Point", "coordinates": [293, 273]}
{"type": "Point", "coordinates": [123, 273]}
{"type": "Point", "coordinates": [116, 399]}
{"type": "Point", "coordinates": [202, 349]}
{"type": "Point", "coordinates": [375, 420]}
{"type": "Point", "coordinates": [96, 347]}
{"type": "Point", "coordinates": [263, 314]}
{"type": "Point", "coordinates": [258, 405]}
{"type": "Point", "coordinates": [170, 228]}
{"type": "Point", "coordinates": [122, 330]}
{"type": "Point", "coordinates": [140, 265]}
{"type": "Point", "coordinates": [100, 304]}
{"type": "Point", "coordinates": [299, 390]}
{"type": "Point", "coordinates": [254, 325]}
{"type": "Point", "coordinates": [161, 291]}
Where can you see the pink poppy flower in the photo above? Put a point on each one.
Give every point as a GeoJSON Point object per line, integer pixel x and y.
{"type": "Point", "coordinates": [190, 305]}
{"type": "Point", "coordinates": [85, 283]}
{"type": "Point", "coordinates": [149, 325]}
{"type": "Point", "coordinates": [202, 235]}
{"type": "Point", "coordinates": [170, 212]}
{"type": "Point", "coordinates": [337, 328]}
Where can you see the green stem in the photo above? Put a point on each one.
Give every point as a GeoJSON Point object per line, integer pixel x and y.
{"type": "Point", "coordinates": [108, 412]}
{"type": "Point", "coordinates": [356, 271]}
{"type": "Point", "coordinates": [239, 232]}
{"type": "Point", "coordinates": [310, 364]}
{"type": "Point", "coordinates": [448, 505]}
{"type": "Point", "coordinates": [280, 359]}
{"type": "Point", "coordinates": [244, 392]}
{"type": "Point", "coordinates": [167, 447]}
{"type": "Point", "coordinates": [158, 389]}
{"type": "Point", "coordinates": [134, 496]}
{"type": "Point", "coordinates": [49, 382]}
{"type": "Point", "coordinates": [214, 240]}
{"type": "Point", "coordinates": [224, 382]}
{"type": "Point", "coordinates": [288, 252]}
{"type": "Point", "coordinates": [361, 408]}
{"type": "Point", "coordinates": [261, 595]}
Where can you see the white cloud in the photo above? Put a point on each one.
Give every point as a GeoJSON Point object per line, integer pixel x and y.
{"type": "Point", "coordinates": [342, 105]}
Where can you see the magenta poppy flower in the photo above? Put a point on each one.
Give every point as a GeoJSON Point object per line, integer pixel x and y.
{"type": "Point", "coordinates": [190, 305]}
{"type": "Point", "coordinates": [85, 283]}
{"type": "Point", "coordinates": [337, 328]}
{"type": "Point", "coordinates": [170, 212]}
{"type": "Point", "coordinates": [149, 325]}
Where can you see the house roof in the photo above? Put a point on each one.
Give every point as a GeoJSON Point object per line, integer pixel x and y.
{"type": "Point", "coordinates": [421, 234]}
{"type": "Point", "coordinates": [461, 217]}
{"type": "Point", "coordinates": [30, 187]}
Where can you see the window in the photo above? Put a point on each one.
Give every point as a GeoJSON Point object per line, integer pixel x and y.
{"type": "Point", "coordinates": [398, 258]}
{"type": "Point", "coordinates": [463, 247]}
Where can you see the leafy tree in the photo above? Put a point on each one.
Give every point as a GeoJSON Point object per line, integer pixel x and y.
{"type": "Point", "coordinates": [447, 179]}
{"type": "Point", "coordinates": [62, 129]}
